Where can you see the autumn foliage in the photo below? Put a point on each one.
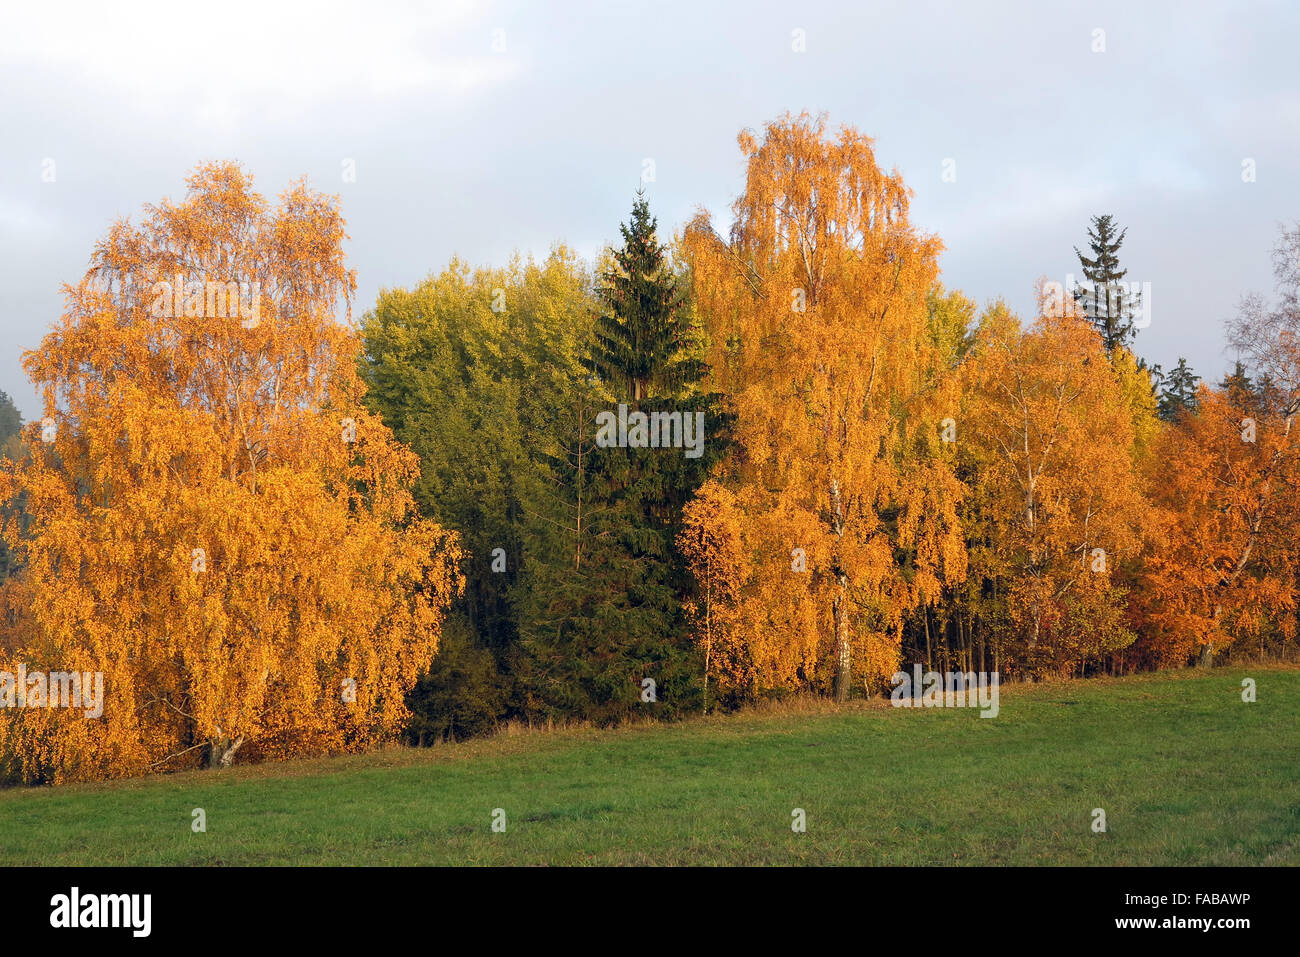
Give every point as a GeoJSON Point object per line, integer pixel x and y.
{"type": "Point", "coordinates": [215, 515]}
{"type": "Point", "coordinates": [1227, 497]}
{"type": "Point", "coordinates": [815, 308]}
{"type": "Point", "coordinates": [915, 482]}
{"type": "Point", "coordinates": [215, 522]}
{"type": "Point", "coordinates": [1055, 508]}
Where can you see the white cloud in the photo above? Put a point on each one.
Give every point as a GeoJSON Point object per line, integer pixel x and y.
{"type": "Point", "coordinates": [217, 57]}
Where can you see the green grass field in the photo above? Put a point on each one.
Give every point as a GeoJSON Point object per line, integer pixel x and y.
{"type": "Point", "coordinates": [1186, 772]}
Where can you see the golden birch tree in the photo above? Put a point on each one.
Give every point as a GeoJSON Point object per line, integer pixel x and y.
{"type": "Point", "coordinates": [1050, 434]}
{"type": "Point", "coordinates": [217, 525]}
{"type": "Point", "coordinates": [815, 308]}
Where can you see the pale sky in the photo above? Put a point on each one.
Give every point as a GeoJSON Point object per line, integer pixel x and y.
{"type": "Point", "coordinates": [482, 129]}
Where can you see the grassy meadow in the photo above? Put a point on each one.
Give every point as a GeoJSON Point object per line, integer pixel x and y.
{"type": "Point", "coordinates": [1186, 772]}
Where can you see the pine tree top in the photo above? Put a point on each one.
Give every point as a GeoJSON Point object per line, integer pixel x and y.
{"type": "Point", "coordinates": [1105, 242]}
{"type": "Point", "coordinates": [641, 341]}
{"type": "Point", "coordinates": [1108, 303]}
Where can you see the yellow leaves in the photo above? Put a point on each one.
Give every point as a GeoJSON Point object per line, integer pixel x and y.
{"type": "Point", "coordinates": [1134, 384]}
{"type": "Point", "coordinates": [1226, 509]}
{"type": "Point", "coordinates": [711, 540]}
{"type": "Point", "coordinates": [204, 528]}
{"type": "Point", "coordinates": [817, 319]}
{"type": "Point", "coordinates": [1051, 440]}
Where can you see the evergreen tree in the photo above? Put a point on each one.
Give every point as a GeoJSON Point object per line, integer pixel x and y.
{"type": "Point", "coordinates": [1108, 304]}
{"type": "Point", "coordinates": [600, 609]}
{"type": "Point", "coordinates": [641, 343]}
{"type": "Point", "coordinates": [1240, 387]}
{"type": "Point", "coordinates": [1255, 394]}
{"type": "Point", "coordinates": [11, 420]}
{"type": "Point", "coordinates": [1178, 391]}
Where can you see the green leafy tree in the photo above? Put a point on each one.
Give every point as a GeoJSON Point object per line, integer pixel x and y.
{"type": "Point", "coordinates": [11, 426]}
{"type": "Point", "coordinates": [11, 420]}
{"type": "Point", "coordinates": [463, 692]}
{"type": "Point", "coordinates": [474, 370]}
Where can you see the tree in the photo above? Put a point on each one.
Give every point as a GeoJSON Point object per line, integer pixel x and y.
{"type": "Point", "coordinates": [1229, 490]}
{"type": "Point", "coordinates": [1178, 391]}
{"type": "Point", "coordinates": [217, 524]}
{"type": "Point", "coordinates": [1223, 486]}
{"type": "Point", "coordinates": [1137, 390]}
{"type": "Point", "coordinates": [11, 427]}
{"type": "Point", "coordinates": [1108, 304]}
{"type": "Point", "coordinates": [1055, 492]}
{"type": "Point", "coordinates": [477, 370]}
{"type": "Point", "coordinates": [819, 335]}
{"type": "Point", "coordinates": [1268, 336]}
{"type": "Point", "coordinates": [11, 420]}
{"type": "Point", "coordinates": [601, 607]}
{"type": "Point", "coordinates": [642, 344]}
{"type": "Point", "coordinates": [1239, 386]}
{"type": "Point", "coordinates": [951, 321]}
{"type": "Point", "coordinates": [1257, 502]}
{"type": "Point", "coordinates": [461, 694]}
{"type": "Point", "coordinates": [711, 541]}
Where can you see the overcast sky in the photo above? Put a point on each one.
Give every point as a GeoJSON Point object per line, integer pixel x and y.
{"type": "Point", "coordinates": [462, 147]}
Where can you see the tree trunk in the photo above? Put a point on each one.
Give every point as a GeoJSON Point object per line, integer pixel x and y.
{"type": "Point", "coordinates": [1207, 649]}
{"type": "Point", "coordinates": [928, 657]}
{"type": "Point", "coordinates": [843, 654]}
{"type": "Point", "coordinates": [221, 751]}
{"type": "Point", "coordinates": [708, 628]}
{"type": "Point", "coordinates": [839, 608]}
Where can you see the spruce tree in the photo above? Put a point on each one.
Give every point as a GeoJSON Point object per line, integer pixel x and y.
{"type": "Point", "coordinates": [1178, 392]}
{"type": "Point", "coordinates": [11, 513]}
{"type": "Point", "coordinates": [1256, 395]}
{"type": "Point", "coordinates": [642, 341]}
{"type": "Point", "coordinates": [1107, 302]}
{"type": "Point", "coordinates": [11, 420]}
{"type": "Point", "coordinates": [600, 607]}
{"type": "Point", "coordinates": [1238, 383]}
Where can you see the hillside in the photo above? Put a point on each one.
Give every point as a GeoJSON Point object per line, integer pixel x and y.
{"type": "Point", "coordinates": [1186, 772]}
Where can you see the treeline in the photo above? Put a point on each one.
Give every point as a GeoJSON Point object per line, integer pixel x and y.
{"type": "Point", "coordinates": [701, 471]}
{"type": "Point", "coordinates": [890, 473]}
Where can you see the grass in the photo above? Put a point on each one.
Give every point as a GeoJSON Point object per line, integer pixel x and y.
{"type": "Point", "coordinates": [1186, 772]}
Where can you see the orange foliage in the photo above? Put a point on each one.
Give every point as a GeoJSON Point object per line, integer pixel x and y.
{"type": "Point", "coordinates": [217, 525]}
{"type": "Point", "coordinates": [816, 314]}
{"type": "Point", "coordinates": [1224, 483]}
{"type": "Point", "coordinates": [711, 541]}
{"type": "Point", "coordinates": [1051, 440]}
